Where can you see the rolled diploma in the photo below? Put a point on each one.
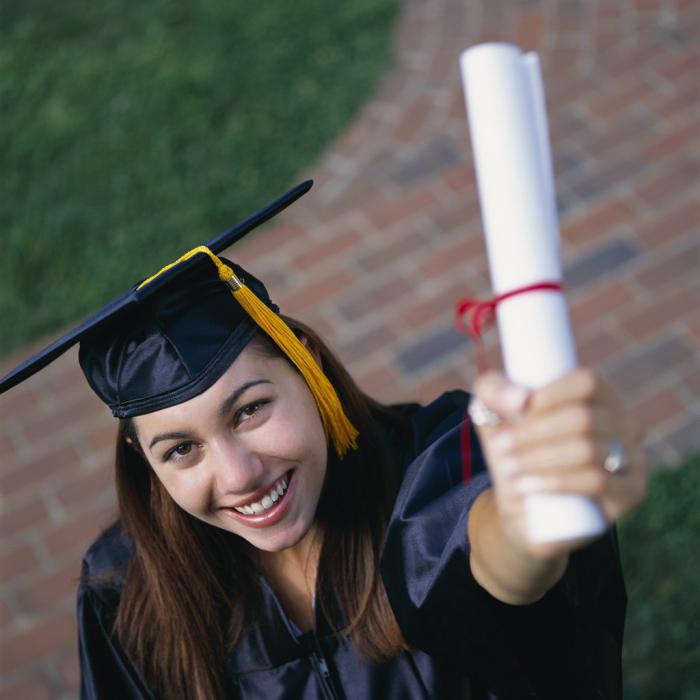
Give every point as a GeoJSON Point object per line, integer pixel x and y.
{"type": "Point", "coordinates": [522, 244]}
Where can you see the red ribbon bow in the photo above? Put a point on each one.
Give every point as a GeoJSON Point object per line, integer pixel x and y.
{"type": "Point", "coordinates": [481, 312]}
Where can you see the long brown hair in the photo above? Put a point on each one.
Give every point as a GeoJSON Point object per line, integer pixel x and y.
{"type": "Point", "coordinates": [191, 588]}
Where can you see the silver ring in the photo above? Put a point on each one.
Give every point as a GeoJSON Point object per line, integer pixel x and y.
{"type": "Point", "coordinates": [481, 414]}
{"type": "Point", "coordinates": [616, 460]}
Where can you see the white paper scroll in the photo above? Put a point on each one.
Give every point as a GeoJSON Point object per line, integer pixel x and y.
{"type": "Point", "coordinates": [508, 126]}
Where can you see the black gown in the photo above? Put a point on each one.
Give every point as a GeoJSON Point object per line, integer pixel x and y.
{"type": "Point", "coordinates": [464, 643]}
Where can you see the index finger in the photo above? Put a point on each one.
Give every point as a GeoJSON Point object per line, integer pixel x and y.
{"type": "Point", "coordinates": [581, 384]}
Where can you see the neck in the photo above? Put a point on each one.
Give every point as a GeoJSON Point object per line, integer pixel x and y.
{"type": "Point", "coordinates": [299, 562]}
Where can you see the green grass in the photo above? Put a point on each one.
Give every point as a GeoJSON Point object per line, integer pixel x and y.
{"type": "Point", "coordinates": [661, 557]}
{"type": "Point", "coordinates": [133, 130]}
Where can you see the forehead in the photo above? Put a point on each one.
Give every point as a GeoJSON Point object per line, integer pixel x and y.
{"type": "Point", "coordinates": [250, 366]}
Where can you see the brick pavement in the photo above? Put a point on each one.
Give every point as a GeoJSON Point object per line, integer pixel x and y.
{"type": "Point", "coordinates": [389, 237]}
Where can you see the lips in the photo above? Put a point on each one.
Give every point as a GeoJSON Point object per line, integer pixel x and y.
{"type": "Point", "coordinates": [267, 501]}
{"type": "Point", "coordinates": [268, 512]}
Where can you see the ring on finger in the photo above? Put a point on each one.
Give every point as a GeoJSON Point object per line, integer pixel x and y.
{"type": "Point", "coordinates": [616, 460]}
{"type": "Point", "coordinates": [481, 414]}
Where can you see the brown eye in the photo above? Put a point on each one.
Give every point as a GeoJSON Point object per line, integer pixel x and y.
{"type": "Point", "coordinates": [249, 411]}
{"type": "Point", "coordinates": [179, 451]}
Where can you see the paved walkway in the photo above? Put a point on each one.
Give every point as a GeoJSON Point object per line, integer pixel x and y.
{"type": "Point", "coordinates": [389, 237]}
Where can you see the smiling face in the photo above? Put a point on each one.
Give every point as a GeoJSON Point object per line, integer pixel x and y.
{"type": "Point", "coordinates": [248, 455]}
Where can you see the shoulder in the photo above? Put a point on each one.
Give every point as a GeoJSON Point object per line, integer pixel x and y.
{"type": "Point", "coordinates": [439, 417]}
{"type": "Point", "coordinates": [107, 558]}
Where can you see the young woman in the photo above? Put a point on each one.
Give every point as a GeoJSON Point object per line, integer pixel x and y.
{"type": "Point", "coordinates": [282, 535]}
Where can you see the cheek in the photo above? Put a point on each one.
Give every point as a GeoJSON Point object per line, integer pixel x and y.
{"type": "Point", "coordinates": [186, 489]}
{"type": "Point", "coordinates": [297, 432]}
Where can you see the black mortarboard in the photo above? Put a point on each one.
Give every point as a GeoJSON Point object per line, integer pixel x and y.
{"type": "Point", "coordinates": [171, 337]}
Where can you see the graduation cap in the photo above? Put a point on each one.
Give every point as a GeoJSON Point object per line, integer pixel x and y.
{"type": "Point", "coordinates": [170, 337]}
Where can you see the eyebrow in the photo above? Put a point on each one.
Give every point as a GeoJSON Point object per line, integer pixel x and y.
{"type": "Point", "coordinates": [223, 410]}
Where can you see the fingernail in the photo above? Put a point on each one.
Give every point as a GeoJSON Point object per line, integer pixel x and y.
{"type": "Point", "coordinates": [515, 398]}
{"type": "Point", "coordinates": [502, 443]}
{"type": "Point", "coordinates": [529, 484]}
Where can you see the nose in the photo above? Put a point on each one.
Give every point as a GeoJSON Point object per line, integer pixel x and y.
{"type": "Point", "coordinates": [237, 469]}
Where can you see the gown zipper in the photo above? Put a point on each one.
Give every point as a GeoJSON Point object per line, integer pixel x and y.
{"type": "Point", "coordinates": [321, 666]}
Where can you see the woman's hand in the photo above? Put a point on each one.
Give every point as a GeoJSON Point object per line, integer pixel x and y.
{"type": "Point", "coordinates": [555, 439]}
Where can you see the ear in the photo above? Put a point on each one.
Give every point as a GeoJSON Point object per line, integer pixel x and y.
{"type": "Point", "coordinates": [312, 348]}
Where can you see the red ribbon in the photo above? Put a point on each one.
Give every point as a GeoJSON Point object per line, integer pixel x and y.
{"type": "Point", "coordinates": [480, 313]}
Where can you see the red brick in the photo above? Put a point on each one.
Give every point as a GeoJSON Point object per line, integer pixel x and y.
{"type": "Point", "coordinates": [528, 30]}
{"type": "Point", "coordinates": [39, 469]}
{"type": "Point", "coordinates": [27, 515]}
{"type": "Point", "coordinates": [86, 486]}
{"type": "Point", "coordinates": [598, 348]}
{"type": "Point", "coordinates": [687, 63]}
{"type": "Point", "coordinates": [691, 382]}
{"type": "Point", "coordinates": [65, 416]}
{"type": "Point", "coordinates": [268, 240]}
{"type": "Point", "coordinates": [462, 179]}
{"type": "Point", "coordinates": [325, 251]}
{"type": "Point", "coordinates": [7, 452]}
{"type": "Point", "coordinates": [18, 403]}
{"type": "Point", "coordinates": [594, 307]}
{"type": "Point", "coordinates": [656, 409]}
{"type": "Point", "coordinates": [679, 102]}
{"type": "Point", "coordinates": [406, 244]}
{"type": "Point", "coordinates": [439, 303]}
{"type": "Point", "coordinates": [627, 92]}
{"type": "Point", "coordinates": [413, 120]}
{"type": "Point", "coordinates": [30, 688]}
{"type": "Point", "coordinates": [370, 299]}
{"type": "Point", "coordinates": [682, 218]}
{"type": "Point", "coordinates": [671, 268]}
{"type": "Point", "coordinates": [463, 219]}
{"type": "Point", "coordinates": [73, 536]}
{"type": "Point", "coordinates": [665, 310]}
{"type": "Point", "coordinates": [377, 380]}
{"type": "Point", "coordinates": [55, 587]}
{"type": "Point", "coordinates": [69, 672]}
{"type": "Point", "coordinates": [310, 294]}
{"type": "Point", "coordinates": [682, 136]}
{"type": "Point", "coordinates": [15, 562]}
{"type": "Point", "coordinates": [102, 437]}
{"type": "Point", "coordinates": [592, 222]}
{"type": "Point", "coordinates": [362, 345]}
{"type": "Point", "coordinates": [356, 137]}
{"type": "Point", "coordinates": [65, 376]}
{"type": "Point", "coordinates": [455, 256]}
{"type": "Point", "coordinates": [405, 208]}
{"type": "Point", "coordinates": [46, 636]}
{"type": "Point", "coordinates": [670, 181]}
{"type": "Point", "coordinates": [5, 613]}
{"type": "Point", "coordinates": [566, 58]}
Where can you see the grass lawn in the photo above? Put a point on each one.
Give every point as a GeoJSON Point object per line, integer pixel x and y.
{"type": "Point", "coordinates": [134, 130]}
{"type": "Point", "coordinates": [661, 557]}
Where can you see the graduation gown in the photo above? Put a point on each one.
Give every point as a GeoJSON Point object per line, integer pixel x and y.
{"type": "Point", "coordinates": [464, 643]}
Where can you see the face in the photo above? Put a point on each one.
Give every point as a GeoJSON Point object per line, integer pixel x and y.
{"type": "Point", "coordinates": [248, 455]}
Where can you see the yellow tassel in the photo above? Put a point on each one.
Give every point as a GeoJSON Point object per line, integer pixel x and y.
{"type": "Point", "coordinates": [336, 424]}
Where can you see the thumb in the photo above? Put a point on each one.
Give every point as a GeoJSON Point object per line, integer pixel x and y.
{"type": "Point", "coordinates": [500, 395]}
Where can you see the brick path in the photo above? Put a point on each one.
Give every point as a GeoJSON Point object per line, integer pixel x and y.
{"type": "Point", "coordinates": [376, 255]}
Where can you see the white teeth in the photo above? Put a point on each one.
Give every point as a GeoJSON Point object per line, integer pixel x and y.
{"type": "Point", "coordinates": [267, 502]}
